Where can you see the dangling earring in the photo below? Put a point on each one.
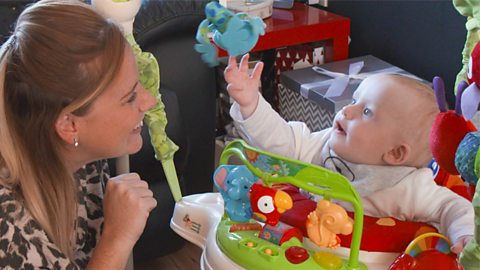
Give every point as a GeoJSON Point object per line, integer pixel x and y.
{"type": "Point", "coordinates": [75, 142]}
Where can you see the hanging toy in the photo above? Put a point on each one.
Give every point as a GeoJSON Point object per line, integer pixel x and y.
{"type": "Point", "coordinates": [466, 157]}
{"type": "Point", "coordinates": [470, 9]}
{"type": "Point", "coordinates": [467, 160]}
{"type": "Point", "coordinates": [455, 146]}
{"type": "Point", "coordinates": [471, 95]}
{"type": "Point", "coordinates": [235, 33]}
{"type": "Point", "coordinates": [448, 129]}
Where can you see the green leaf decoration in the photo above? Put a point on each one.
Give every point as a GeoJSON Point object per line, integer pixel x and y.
{"type": "Point", "coordinates": [149, 74]}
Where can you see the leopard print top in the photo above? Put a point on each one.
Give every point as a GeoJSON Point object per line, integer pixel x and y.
{"type": "Point", "coordinates": [23, 243]}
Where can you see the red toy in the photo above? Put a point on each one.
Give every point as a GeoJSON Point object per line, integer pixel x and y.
{"type": "Point", "coordinates": [376, 236]}
{"type": "Point", "coordinates": [296, 254]}
{"type": "Point", "coordinates": [474, 66]}
{"type": "Point", "coordinates": [430, 251]}
{"type": "Point", "coordinates": [449, 128]}
{"type": "Point", "coordinates": [453, 182]}
{"type": "Point", "coordinates": [268, 204]}
{"type": "Point", "coordinates": [471, 95]}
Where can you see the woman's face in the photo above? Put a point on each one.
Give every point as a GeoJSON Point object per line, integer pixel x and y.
{"type": "Point", "coordinates": [112, 126]}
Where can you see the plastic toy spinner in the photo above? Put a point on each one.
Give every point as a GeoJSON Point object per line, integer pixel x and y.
{"type": "Point", "coordinates": [265, 241]}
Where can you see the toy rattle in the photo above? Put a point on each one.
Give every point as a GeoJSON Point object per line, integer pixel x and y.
{"type": "Point", "coordinates": [236, 33]}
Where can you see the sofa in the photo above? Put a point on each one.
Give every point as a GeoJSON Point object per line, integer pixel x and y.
{"type": "Point", "coordinates": [167, 28]}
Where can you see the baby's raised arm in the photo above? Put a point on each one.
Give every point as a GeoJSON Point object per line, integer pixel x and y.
{"type": "Point", "coordinates": [242, 87]}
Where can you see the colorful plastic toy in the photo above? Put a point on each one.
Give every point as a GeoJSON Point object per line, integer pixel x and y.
{"type": "Point", "coordinates": [280, 233]}
{"type": "Point", "coordinates": [467, 158]}
{"type": "Point", "coordinates": [454, 141]}
{"type": "Point", "coordinates": [236, 33]}
{"type": "Point", "coordinates": [234, 183]}
{"type": "Point", "coordinates": [430, 251]}
{"type": "Point", "coordinates": [227, 244]}
{"type": "Point", "coordinates": [449, 128]}
{"type": "Point", "coordinates": [453, 182]}
{"type": "Point", "coordinates": [268, 204]}
{"type": "Point", "coordinates": [247, 249]}
{"type": "Point", "coordinates": [328, 220]}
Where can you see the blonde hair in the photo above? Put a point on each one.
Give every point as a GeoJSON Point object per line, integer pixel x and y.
{"type": "Point", "coordinates": [417, 129]}
{"type": "Point", "coordinates": [60, 57]}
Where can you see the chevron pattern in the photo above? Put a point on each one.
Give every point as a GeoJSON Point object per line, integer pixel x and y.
{"type": "Point", "coordinates": [294, 107]}
{"type": "Point", "coordinates": [294, 57]}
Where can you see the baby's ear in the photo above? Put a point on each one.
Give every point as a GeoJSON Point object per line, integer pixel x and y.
{"type": "Point", "coordinates": [398, 155]}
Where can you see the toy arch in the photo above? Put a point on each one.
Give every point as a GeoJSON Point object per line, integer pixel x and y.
{"type": "Point", "coordinates": [309, 177]}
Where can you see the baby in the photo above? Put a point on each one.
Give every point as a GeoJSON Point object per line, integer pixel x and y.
{"type": "Point", "coordinates": [379, 142]}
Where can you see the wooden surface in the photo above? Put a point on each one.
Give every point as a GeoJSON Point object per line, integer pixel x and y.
{"type": "Point", "coordinates": [187, 258]}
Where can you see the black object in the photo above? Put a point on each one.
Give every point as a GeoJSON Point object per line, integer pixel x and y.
{"type": "Point", "coordinates": [9, 11]}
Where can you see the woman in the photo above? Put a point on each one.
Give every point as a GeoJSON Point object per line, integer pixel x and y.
{"type": "Point", "coordinates": [69, 96]}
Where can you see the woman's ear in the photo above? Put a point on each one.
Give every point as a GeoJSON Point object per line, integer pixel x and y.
{"type": "Point", "coordinates": [397, 155]}
{"type": "Point", "coordinates": [65, 128]}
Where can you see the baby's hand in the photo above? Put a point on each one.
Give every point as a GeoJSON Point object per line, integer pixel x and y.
{"type": "Point", "coordinates": [242, 87]}
{"type": "Point", "coordinates": [461, 243]}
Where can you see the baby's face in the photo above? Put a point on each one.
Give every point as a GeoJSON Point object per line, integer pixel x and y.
{"type": "Point", "coordinates": [367, 128]}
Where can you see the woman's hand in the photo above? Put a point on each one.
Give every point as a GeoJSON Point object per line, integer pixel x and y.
{"type": "Point", "coordinates": [242, 87]}
{"type": "Point", "coordinates": [127, 205]}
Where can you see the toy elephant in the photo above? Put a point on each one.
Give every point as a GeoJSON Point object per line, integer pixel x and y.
{"type": "Point", "coordinates": [234, 182]}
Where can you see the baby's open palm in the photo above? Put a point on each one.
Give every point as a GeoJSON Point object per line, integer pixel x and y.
{"type": "Point", "coordinates": [242, 87]}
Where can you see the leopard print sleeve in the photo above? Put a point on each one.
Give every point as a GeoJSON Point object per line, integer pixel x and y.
{"type": "Point", "coordinates": [23, 243]}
